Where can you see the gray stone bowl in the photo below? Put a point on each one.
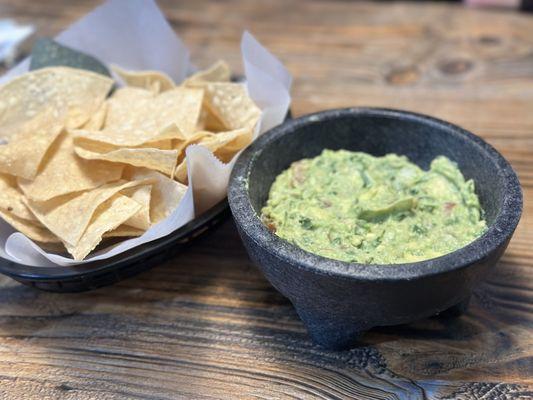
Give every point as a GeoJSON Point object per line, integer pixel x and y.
{"type": "Point", "coordinates": [336, 300]}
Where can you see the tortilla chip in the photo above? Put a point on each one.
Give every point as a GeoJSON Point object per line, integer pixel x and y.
{"type": "Point", "coordinates": [68, 216]}
{"type": "Point", "coordinates": [23, 154]}
{"type": "Point", "coordinates": [180, 146]}
{"type": "Point", "coordinates": [11, 198]}
{"type": "Point", "coordinates": [63, 172]}
{"type": "Point", "coordinates": [218, 72]}
{"type": "Point", "coordinates": [230, 104]}
{"type": "Point", "coordinates": [73, 93]}
{"type": "Point", "coordinates": [153, 81]}
{"type": "Point", "coordinates": [136, 116]}
{"type": "Point", "coordinates": [57, 248]}
{"type": "Point", "coordinates": [96, 122]}
{"type": "Point", "coordinates": [232, 140]}
{"type": "Point", "coordinates": [124, 231]}
{"type": "Point", "coordinates": [108, 216]}
{"type": "Point", "coordinates": [160, 160]}
{"type": "Point", "coordinates": [142, 195]}
{"type": "Point", "coordinates": [166, 193]}
{"type": "Point", "coordinates": [215, 141]}
{"type": "Point", "coordinates": [180, 106]}
{"type": "Point", "coordinates": [165, 144]}
{"type": "Point", "coordinates": [119, 101]}
{"type": "Point", "coordinates": [98, 140]}
{"type": "Point", "coordinates": [232, 143]}
{"type": "Point", "coordinates": [32, 230]}
{"type": "Point", "coordinates": [181, 173]}
{"type": "Point", "coordinates": [209, 122]}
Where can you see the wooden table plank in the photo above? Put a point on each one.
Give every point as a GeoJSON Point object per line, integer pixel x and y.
{"type": "Point", "coordinates": [206, 324]}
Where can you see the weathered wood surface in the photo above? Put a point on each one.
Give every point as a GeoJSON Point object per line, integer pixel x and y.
{"type": "Point", "coordinates": [206, 324]}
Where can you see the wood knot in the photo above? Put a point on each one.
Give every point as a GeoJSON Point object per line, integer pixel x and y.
{"type": "Point", "coordinates": [455, 67]}
{"type": "Point", "coordinates": [64, 387]}
{"type": "Point", "coordinates": [403, 75]}
{"type": "Point", "coordinates": [489, 40]}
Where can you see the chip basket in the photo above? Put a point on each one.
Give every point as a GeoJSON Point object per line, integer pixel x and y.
{"type": "Point", "coordinates": [93, 275]}
{"type": "Point", "coordinates": [67, 50]}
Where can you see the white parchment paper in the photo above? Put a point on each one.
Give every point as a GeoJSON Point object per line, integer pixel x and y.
{"type": "Point", "coordinates": [135, 35]}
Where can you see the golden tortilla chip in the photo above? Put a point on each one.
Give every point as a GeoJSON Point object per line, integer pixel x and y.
{"type": "Point", "coordinates": [54, 247]}
{"type": "Point", "coordinates": [124, 231]}
{"type": "Point", "coordinates": [180, 106]}
{"type": "Point", "coordinates": [142, 195]}
{"type": "Point", "coordinates": [118, 101]}
{"type": "Point", "coordinates": [136, 116]}
{"type": "Point", "coordinates": [108, 216]}
{"type": "Point", "coordinates": [165, 144]}
{"type": "Point", "coordinates": [68, 216]}
{"type": "Point", "coordinates": [160, 160]}
{"type": "Point", "coordinates": [153, 81]}
{"type": "Point", "coordinates": [96, 122]}
{"type": "Point", "coordinates": [180, 146]}
{"type": "Point", "coordinates": [62, 172]}
{"type": "Point", "coordinates": [99, 140]}
{"type": "Point", "coordinates": [232, 143]}
{"type": "Point", "coordinates": [166, 193]}
{"type": "Point", "coordinates": [215, 142]}
{"type": "Point", "coordinates": [181, 173]}
{"type": "Point", "coordinates": [218, 72]}
{"type": "Point", "coordinates": [11, 198]}
{"type": "Point", "coordinates": [209, 122]}
{"type": "Point", "coordinates": [23, 154]}
{"type": "Point", "coordinates": [230, 103]}
{"type": "Point", "coordinates": [74, 93]}
{"type": "Point", "coordinates": [34, 231]}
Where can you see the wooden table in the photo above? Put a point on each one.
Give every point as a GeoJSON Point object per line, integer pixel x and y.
{"type": "Point", "coordinates": [207, 324]}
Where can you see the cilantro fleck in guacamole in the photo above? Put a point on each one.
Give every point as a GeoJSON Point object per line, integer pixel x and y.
{"type": "Point", "coordinates": [355, 207]}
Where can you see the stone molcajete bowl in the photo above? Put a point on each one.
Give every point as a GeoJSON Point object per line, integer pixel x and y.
{"type": "Point", "coordinates": [336, 300]}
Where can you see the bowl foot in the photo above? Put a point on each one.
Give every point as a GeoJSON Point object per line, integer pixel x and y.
{"type": "Point", "coordinates": [456, 310]}
{"type": "Point", "coordinates": [331, 332]}
{"type": "Point", "coordinates": [339, 340]}
{"type": "Point", "coordinates": [334, 333]}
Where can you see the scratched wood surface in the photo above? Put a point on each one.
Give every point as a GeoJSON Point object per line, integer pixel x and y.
{"type": "Point", "coordinates": [207, 324]}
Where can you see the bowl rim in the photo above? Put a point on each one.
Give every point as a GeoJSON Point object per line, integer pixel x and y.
{"type": "Point", "coordinates": [496, 236]}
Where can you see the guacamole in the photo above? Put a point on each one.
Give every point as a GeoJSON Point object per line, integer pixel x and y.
{"type": "Point", "coordinates": [355, 207]}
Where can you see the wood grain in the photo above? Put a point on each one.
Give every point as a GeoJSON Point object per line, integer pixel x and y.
{"type": "Point", "coordinates": [207, 324]}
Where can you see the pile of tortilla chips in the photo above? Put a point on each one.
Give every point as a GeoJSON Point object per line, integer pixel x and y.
{"type": "Point", "coordinates": [84, 160]}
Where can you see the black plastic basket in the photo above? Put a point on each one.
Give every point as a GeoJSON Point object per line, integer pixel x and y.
{"type": "Point", "coordinates": [96, 274]}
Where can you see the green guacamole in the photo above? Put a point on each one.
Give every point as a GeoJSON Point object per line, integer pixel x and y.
{"type": "Point", "coordinates": [355, 207]}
